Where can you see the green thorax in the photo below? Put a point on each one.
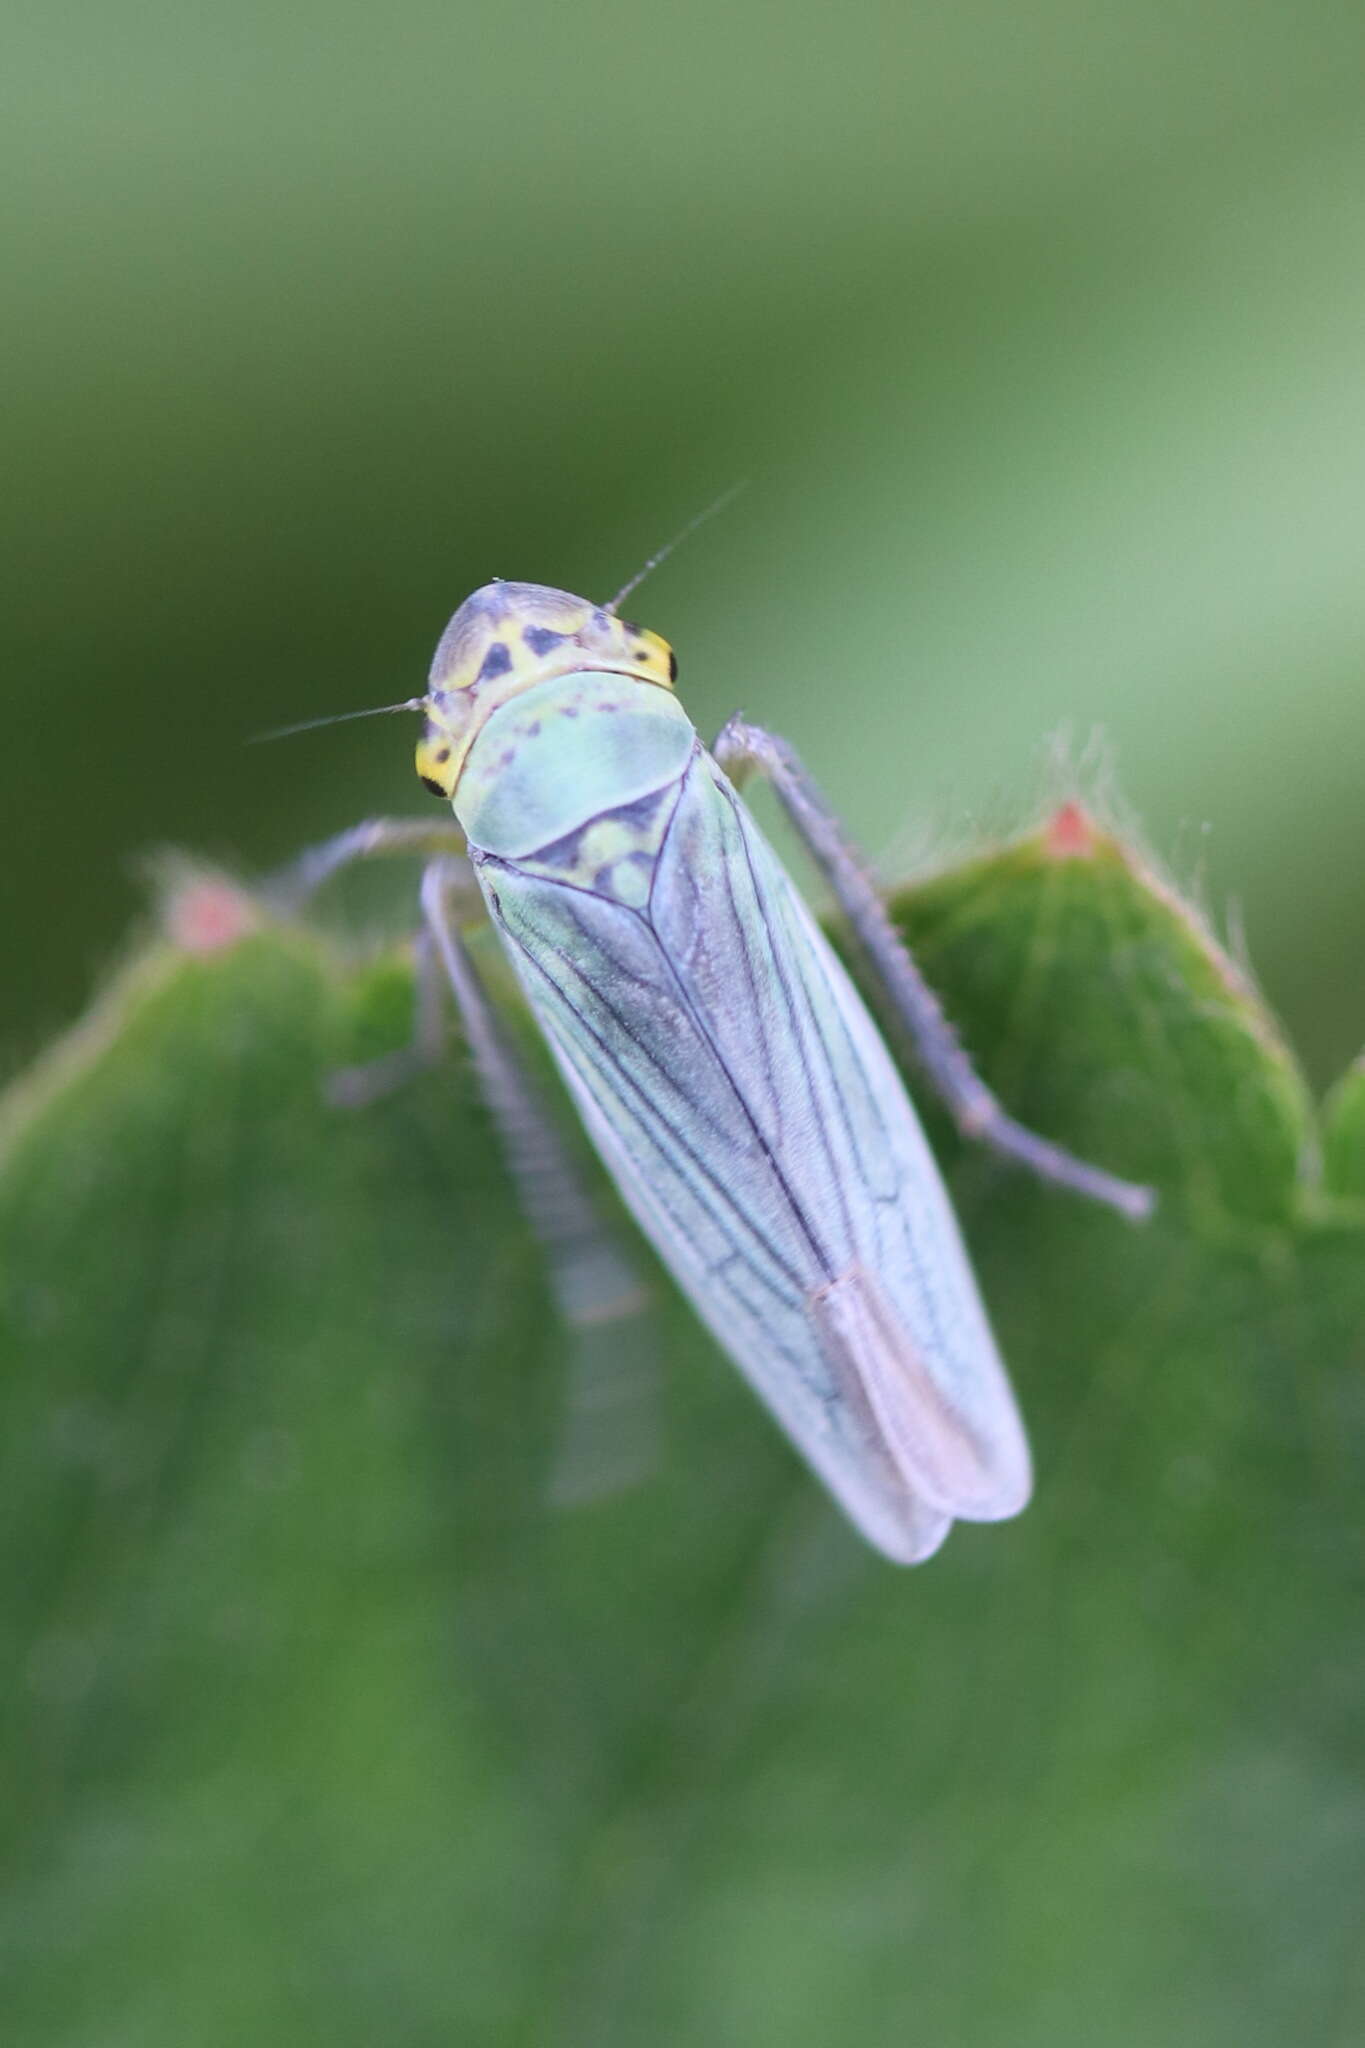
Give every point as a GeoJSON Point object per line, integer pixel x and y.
{"type": "Point", "coordinates": [564, 753]}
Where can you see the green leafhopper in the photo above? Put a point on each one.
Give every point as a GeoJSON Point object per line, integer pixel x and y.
{"type": "Point", "coordinates": [724, 1066]}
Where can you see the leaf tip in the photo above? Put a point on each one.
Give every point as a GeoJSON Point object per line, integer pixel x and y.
{"type": "Point", "coordinates": [206, 913]}
{"type": "Point", "coordinates": [1070, 833]}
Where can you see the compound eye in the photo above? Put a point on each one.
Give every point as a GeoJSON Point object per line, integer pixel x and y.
{"type": "Point", "coordinates": [433, 764]}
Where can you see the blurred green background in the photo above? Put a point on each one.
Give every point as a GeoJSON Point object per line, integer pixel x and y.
{"type": "Point", "coordinates": [1040, 335]}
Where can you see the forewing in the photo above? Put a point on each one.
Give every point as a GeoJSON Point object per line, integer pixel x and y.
{"type": "Point", "coordinates": [771, 996]}
{"type": "Point", "coordinates": [744, 1104]}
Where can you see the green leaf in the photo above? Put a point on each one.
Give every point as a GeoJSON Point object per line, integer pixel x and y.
{"type": "Point", "coordinates": [336, 1730]}
{"type": "Point", "coordinates": [1344, 1118]}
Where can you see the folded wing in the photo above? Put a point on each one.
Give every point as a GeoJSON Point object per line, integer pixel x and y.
{"type": "Point", "coordinates": [744, 1103]}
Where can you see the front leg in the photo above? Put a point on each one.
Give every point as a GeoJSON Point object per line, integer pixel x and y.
{"type": "Point", "coordinates": [741, 748]}
{"type": "Point", "coordinates": [611, 1422]}
{"type": "Point", "coordinates": [290, 887]}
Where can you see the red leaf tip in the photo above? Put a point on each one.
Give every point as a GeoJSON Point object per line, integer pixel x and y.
{"type": "Point", "coordinates": [207, 915]}
{"type": "Point", "coordinates": [1070, 833]}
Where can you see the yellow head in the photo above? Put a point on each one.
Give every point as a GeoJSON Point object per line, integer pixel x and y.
{"type": "Point", "coordinates": [501, 641]}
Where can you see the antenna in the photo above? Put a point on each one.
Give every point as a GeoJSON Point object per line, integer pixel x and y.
{"type": "Point", "coordinates": [717, 505]}
{"type": "Point", "coordinates": [284, 732]}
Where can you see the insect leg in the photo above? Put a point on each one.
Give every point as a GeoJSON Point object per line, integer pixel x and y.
{"type": "Point", "coordinates": [293, 885]}
{"type": "Point", "coordinates": [290, 888]}
{"type": "Point", "coordinates": [610, 1425]}
{"type": "Point", "coordinates": [742, 747]}
{"type": "Point", "coordinates": [358, 1086]}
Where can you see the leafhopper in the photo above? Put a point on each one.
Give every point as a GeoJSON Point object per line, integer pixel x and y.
{"type": "Point", "coordinates": [724, 1066]}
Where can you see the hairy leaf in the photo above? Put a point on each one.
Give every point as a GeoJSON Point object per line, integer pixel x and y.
{"type": "Point", "coordinates": [335, 1727]}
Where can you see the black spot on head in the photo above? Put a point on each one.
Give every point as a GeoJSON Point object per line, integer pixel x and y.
{"type": "Point", "coordinates": [443, 754]}
{"type": "Point", "coordinates": [672, 666]}
{"type": "Point", "coordinates": [496, 662]}
{"type": "Point", "coordinates": [543, 639]}
{"type": "Point", "coordinates": [435, 787]}
{"type": "Point", "coordinates": [642, 654]}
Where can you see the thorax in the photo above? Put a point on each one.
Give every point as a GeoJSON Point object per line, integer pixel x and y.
{"type": "Point", "coordinates": [574, 778]}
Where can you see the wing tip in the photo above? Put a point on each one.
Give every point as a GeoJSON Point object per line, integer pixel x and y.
{"type": "Point", "coordinates": [948, 1467]}
{"type": "Point", "coordinates": [922, 1538]}
{"type": "Point", "coordinates": [922, 1529]}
